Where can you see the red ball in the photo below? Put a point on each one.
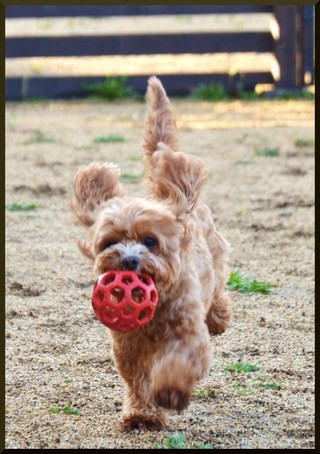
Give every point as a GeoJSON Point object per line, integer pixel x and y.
{"type": "Point", "coordinates": [123, 300]}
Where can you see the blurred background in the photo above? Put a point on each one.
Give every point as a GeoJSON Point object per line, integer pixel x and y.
{"type": "Point", "coordinates": [57, 51]}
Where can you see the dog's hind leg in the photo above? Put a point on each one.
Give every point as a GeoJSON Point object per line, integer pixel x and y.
{"type": "Point", "coordinates": [219, 315]}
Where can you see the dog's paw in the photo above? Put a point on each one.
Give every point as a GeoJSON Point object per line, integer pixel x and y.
{"type": "Point", "coordinates": [142, 422]}
{"type": "Point", "coordinates": [172, 399]}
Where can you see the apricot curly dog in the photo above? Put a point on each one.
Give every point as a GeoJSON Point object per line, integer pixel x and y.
{"type": "Point", "coordinates": [169, 235]}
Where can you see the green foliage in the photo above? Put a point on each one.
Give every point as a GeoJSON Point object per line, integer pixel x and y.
{"type": "Point", "coordinates": [130, 178]}
{"type": "Point", "coordinates": [204, 446]}
{"type": "Point", "coordinates": [241, 212]}
{"type": "Point", "coordinates": [248, 95]}
{"type": "Point", "coordinates": [108, 139]}
{"type": "Point", "coordinates": [267, 152]}
{"type": "Point", "coordinates": [288, 95]}
{"type": "Point", "coordinates": [209, 92]}
{"type": "Point", "coordinates": [66, 410]}
{"type": "Point", "coordinates": [111, 89]}
{"type": "Point", "coordinates": [247, 284]}
{"type": "Point", "coordinates": [217, 92]}
{"type": "Point", "coordinates": [70, 411]}
{"type": "Point", "coordinates": [53, 410]}
{"type": "Point", "coordinates": [177, 441]}
{"type": "Point", "coordinates": [241, 367]}
{"type": "Point", "coordinates": [201, 392]}
{"type": "Point", "coordinates": [273, 385]}
{"type": "Point", "coordinates": [39, 138]}
{"type": "Point", "coordinates": [302, 143]}
{"type": "Point", "coordinates": [21, 207]}
{"type": "Point", "coordinates": [37, 100]}
{"type": "Point", "coordinates": [243, 162]}
{"type": "Point", "coordinates": [241, 389]}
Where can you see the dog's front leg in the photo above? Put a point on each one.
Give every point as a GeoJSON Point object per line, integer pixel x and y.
{"type": "Point", "coordinates": [139, 413]}
{"type": "Point", "coordinates": [184, 361]}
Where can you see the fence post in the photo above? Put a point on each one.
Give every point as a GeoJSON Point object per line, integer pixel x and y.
{"type": "Point", "coordinates": [308, 44]}
{"type": "Point", "coordinates": [289, 47]}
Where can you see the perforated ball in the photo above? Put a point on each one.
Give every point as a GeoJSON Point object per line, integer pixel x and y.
{"type": "Point", "coordinates": [123, 300]}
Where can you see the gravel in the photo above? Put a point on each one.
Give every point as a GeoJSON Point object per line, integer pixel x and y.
{"type": "Point", "coordinates": [58, 354]}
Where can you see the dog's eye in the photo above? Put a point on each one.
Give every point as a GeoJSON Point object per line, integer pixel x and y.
{"type": "Point", "coordinates": [149, 242]}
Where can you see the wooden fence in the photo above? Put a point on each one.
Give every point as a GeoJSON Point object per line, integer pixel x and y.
{"type": "Point", "coordinates": [292, 48]}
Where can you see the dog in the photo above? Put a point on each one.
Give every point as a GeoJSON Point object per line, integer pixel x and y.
{"type": "Point", "coordinates": [169, 235]}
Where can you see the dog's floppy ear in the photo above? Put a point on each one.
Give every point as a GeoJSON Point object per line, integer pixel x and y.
{"type": "Point", "coordinates": [177, 178]}
{"type": "Point", "coordinates": [93, 185]}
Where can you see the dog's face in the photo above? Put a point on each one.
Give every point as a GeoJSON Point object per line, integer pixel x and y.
{"type": "Point", "coordinates": [138, 235]}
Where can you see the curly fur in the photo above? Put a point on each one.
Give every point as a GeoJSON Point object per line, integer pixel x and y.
{"type": "Point", "coordinates": [161, 362]}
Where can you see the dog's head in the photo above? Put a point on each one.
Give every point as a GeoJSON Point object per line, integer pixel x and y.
{"type": "Point", "coordinates": [143, 235]}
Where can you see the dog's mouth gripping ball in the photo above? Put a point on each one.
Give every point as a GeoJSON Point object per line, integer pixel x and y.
{"type": "Point", "coordinates": [123, 300]}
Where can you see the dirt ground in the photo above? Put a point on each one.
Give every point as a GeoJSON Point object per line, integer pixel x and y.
{"type": "Point", "coordinates": [58, 354]}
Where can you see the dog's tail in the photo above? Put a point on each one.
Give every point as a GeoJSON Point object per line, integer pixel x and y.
{"type": "Point", "coordinates": [160, 125]}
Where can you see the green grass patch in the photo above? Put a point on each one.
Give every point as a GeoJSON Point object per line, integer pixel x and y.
{"type": "Point", "coordinates": [201, 392]}
{"type": "Point", "coordinates": [71, 411]}
{"type": "Point", "coordinates": [247, 284]}
{"type": "Point", "coordinates": [36, 100]}
{"type": "Point", "coordinates": [244, 162]}
{"type": "Point", "coordinates": [267, 152]}
{"type": "Point", "coordinates": [304, 143]}
{"type": "Point", "coordinates": [130, 178]}
{"type": "Point", "coordinates": [288, 95]}
{"type": "Point", "coordinates": [241, 367]}
{"type": "Point", "coordinates": [241, 389]}
{"type": "Point", "coordinates": [108, 139]}
{"type": "Point", "coordinates": [248, 95]}
{"type": "Point", "coordinates": [218, 92]}
{"type": "Point", "coordinates": [273, 385]}
{"type": "Point", "coordinates": [39, 138]}
{"type": "Point", "coordinates": [21, 207]}
{"type": "Point", "coordinates": [53, 410]}
{"type": "Point", "coordinates": [178, 441]}
{"type": "Point", "coordinates": [111, 89]}
{"type": "Point", "coordinates": [66, 410]}
{"type": "Point", "coordinates": [241, 212]}
{"type": "Point", "coordinates": [209, 92]}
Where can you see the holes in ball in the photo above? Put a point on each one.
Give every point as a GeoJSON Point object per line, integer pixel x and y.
{"type": "Point", "coordinates": [116, 295]}
{"type": "Point", "coordinates": [143, 279]}
{"type": "Point", "coordinates": [138, 294]}
{"type": "Point", "coordinates": [127, 279]}
{"type": "Point", "coordinates": [144, 314]}
{"type": "Point", "coordinates": [108, 279]}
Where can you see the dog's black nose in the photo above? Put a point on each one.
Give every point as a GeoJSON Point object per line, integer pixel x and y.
{"type": "Point", "coordinates": [130, 263]}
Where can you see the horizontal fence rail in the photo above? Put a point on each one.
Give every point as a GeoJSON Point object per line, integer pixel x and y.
{"type": "Point", "coordinates": [137, 44]}
{"type": "Point", "coordinates": [128, 10]}
{"type": "Point", "coordinates": [289, 40]}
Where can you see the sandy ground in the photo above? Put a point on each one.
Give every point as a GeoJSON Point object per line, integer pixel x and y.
{"type": "Point", "coordinates": [58, 354]}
